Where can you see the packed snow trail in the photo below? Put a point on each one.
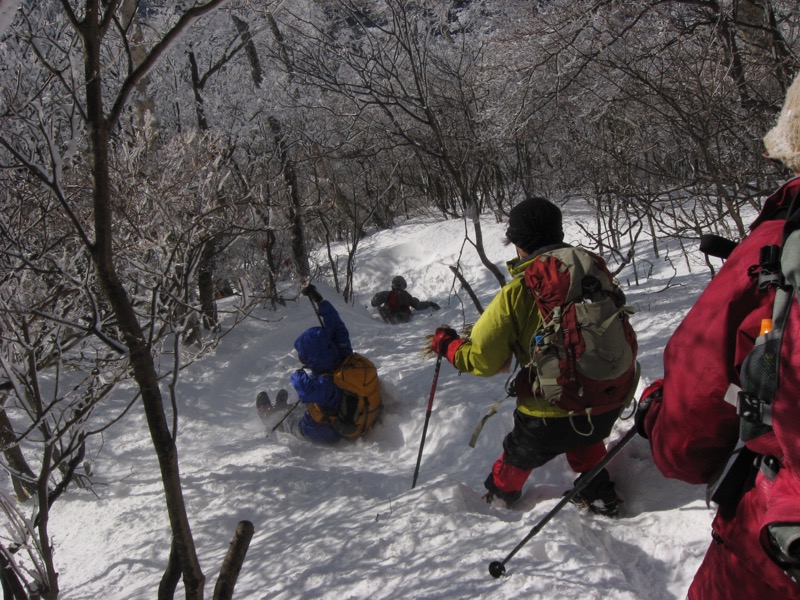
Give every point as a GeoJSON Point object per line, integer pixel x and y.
{"type": "Point", "coordinates": [342, 522]}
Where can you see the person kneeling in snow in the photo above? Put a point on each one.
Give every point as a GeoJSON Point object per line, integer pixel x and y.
{"type": "Point", "coordinates": [395, 305]}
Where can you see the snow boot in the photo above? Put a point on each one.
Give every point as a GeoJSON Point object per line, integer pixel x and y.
{"type": "Point", "coordinates": [282, 400]}
{"type": "Point", "coordinates": [263, 405]}
{"type": "Point", "coordinates": [505, 481]}
{"type": "Point", "coordinates": [599, 496]}
{"type": "Point", "coordinates": [495, 492]}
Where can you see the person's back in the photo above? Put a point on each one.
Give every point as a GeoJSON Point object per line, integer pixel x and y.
{"type": "Point", "coordinates": [395, 305]}
{"type": "Point", "coordinates": [399, 304]}
{"type": "Point", "coordinates": [341, 393]}
{"type": "Point", "coordinates": [693, 428]}
{"type": "Point", "coordinates": [541, 430]}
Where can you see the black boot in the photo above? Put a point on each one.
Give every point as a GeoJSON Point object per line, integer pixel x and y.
{"type": "Point", "coordinates": [599, 496]}
{"type": "Point", "coordinates": [263, 404]}
{"type": "Point", "coordinates": [282, 400]}
{"type": "Point", "coordinates": [495, 492]}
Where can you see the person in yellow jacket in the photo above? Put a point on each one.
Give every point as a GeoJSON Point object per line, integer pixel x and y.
{"type": "Point", "coordinates": [541, 431]}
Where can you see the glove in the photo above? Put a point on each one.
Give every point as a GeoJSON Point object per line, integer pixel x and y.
{"type": "Point", "coordinates": [310, 291]}
{"type": "Point", "coordinates": [434, 306]}
{"type": "Point", "coordinates": [442, 338]}
{"type": "Point", "coordinates": [299, 379]}
{"type": "Point", "coordinates": [652, 393]}
{"type": "Point", "coordinates": [446, 342]}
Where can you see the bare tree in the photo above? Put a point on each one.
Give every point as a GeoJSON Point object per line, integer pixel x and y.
{"type": "Point", "coordinates": [62, 139]}
{"type": "Point", "coordinates": [638, 106]}
{"type": "Point", "coordinates": [398, 70]}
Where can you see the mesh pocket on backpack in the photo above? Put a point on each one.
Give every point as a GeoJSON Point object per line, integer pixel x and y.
{"type": "Point", "coordinates": [759, 373]}
{"type": "Point", "coordinates": [759, 377]}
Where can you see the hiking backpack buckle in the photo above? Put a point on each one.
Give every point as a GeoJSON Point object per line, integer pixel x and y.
{"type": "Point", "coordinates": [753, 410]}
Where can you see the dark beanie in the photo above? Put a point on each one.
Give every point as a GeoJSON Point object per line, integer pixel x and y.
{"type": "Point", "coordinates": [533, 223]}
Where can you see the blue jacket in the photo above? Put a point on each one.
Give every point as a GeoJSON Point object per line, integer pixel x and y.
{"type": "Point", "coordinates": [321, 350]}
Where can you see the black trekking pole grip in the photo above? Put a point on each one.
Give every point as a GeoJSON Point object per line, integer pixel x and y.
{"type": "Point", "coordinates": [498, 568]}
{"type": "Point", "coordinates": [316, 311]}
{"type": "Point", "coordinates": [427, 416]}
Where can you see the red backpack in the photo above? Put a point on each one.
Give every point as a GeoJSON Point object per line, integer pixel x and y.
{"type": "Point", "coordinates": [584, 355]}
{"type": "Point", "coordinates": [398, 301]}
{"type": "Point", "coordinates": [768, 404]}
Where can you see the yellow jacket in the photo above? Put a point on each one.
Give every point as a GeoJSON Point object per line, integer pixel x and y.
{"type": "Point", "coordinates": [504, 330]}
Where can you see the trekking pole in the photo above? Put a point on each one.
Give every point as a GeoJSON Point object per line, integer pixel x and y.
{"type": "Point", "coordinates": [290, 411]}
{"type": "Point", "coordinates": [316, 312]}
{"type": "Point", "coordinates": [427, 416]}
{"type": "Point", "coordinates": [498, 568]}
{"type": "Point", "coordinates": [310, 299]}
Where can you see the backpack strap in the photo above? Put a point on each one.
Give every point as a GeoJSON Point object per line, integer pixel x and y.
{"type": "Point", "coordinates": [787, 288]}
{"type": "Point", "coordinates": [510, 393]}
{"type": "Point", "coordinates": [490, 413]}
{"type": "Point", "coordinates": [790, 255]}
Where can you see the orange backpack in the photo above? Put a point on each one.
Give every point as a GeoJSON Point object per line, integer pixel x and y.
{"type": "Point", "coordinates": [361, 402]}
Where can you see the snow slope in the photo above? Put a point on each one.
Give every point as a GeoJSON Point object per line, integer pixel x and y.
{"type": "Point", "coordinates": [343, 522]}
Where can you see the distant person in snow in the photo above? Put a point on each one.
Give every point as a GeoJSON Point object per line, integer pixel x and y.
{"type": "Point", "coordinates": [395, 304]}
{"type": "Point", "coordinates": [698, 422]}
{"type": "Point", "coordinates": [507, 329]}
{"type": "Point", "coordinates": [341, 393]}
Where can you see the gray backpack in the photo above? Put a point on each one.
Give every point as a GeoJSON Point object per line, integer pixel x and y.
{"type": "Point", "coordinates": [584, 355]}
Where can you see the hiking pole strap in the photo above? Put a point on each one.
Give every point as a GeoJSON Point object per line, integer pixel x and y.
{"type": "Point", "coordinates": [427, 417]}
{"type": "Point", "coordinates": [580, 484]}
{"type": "Point", "coordinates": [510, 393]}
{"type": "Point", "coordinates": [490, 413]}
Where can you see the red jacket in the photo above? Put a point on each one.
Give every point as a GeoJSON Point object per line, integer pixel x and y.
{"type": "Point", "coordinates": [693, 429]}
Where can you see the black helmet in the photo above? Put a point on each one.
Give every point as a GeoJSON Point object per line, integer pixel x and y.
{"type": "Point", "coordinates": [398, 283]}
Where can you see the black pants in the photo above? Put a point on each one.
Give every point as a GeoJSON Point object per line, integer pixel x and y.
{"type": "Point", "coordinates": [535, 441]}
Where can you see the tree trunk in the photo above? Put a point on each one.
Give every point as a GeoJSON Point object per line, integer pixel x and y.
{"type": "Point", "coordinates": [197, 86]}
{"type": "Point", "coordinates": [479, 248]}
{"type": "Point", "coordinates": [11, 585]}
{"type": "Point", "coordinates": [295, 210]}
{"type": "Point", "coordinates": [294, 213]}
{"type": "Point", "coordinates": [243, 28]}
{"type": "Point", "coordinates": [22, 477]}
{"type": "Point", "coordinates": [50, 589]}
{"type": "Point", "coordinates": [205, 285]}
{"type": "Point", "coordinates": [141, 360]}
{"type": "Point", "coordinates": [232, 564]}
{"type": "Point", "coordinates": [465, 284]}
{"type": "Point", "coordinates": [171, 577]}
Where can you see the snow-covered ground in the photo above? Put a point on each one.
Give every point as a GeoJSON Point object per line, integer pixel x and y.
{"type": "Point", "coordinates": [344, 522]}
